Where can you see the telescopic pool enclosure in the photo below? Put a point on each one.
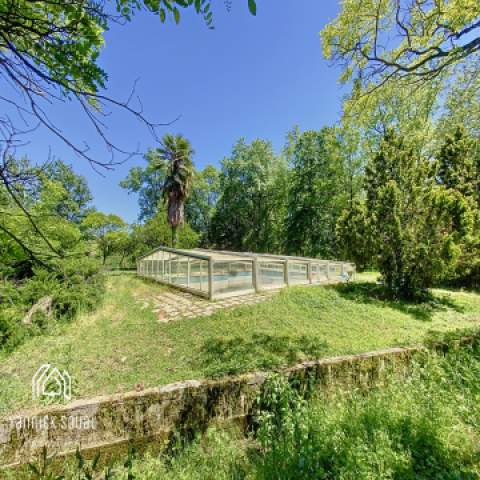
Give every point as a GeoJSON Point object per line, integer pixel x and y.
{"type": "Point", "coordinates": [218, 274]}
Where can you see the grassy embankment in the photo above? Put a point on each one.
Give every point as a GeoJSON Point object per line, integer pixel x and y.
{"type": "Point", "coordinates": [122, 345]}
{"type": "Point", "coordinates": [420, 428]}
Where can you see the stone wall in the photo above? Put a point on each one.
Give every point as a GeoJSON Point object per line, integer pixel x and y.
{"type": "Point", "coordinates": [154, 415]}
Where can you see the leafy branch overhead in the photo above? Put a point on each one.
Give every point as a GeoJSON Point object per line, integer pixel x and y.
{"type": "Point", "coordinates": [376, 41]}
{"type": "Point", "coordinates": [49, 53]}
{"type": "Point", "coordinates": [165, 8]}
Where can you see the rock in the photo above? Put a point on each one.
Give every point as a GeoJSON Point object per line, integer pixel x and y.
{"type": "Point", "coordinates": [43, 305]}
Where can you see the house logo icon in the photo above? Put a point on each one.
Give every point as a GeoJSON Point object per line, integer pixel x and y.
{"type": "Point", "coordinates": [49, 382]}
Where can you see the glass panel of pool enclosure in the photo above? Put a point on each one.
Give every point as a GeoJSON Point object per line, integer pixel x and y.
{"type": "Point", "coordinates": [217, 274]}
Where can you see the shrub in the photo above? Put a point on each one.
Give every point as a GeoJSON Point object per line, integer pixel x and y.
{"type": "Point", "coordinates": [76, 284]}
{"type": "Point", "coordinates": [10, 331]}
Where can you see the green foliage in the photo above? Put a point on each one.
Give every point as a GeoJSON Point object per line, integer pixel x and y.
{"type": "Point", "coordinates": [421, 427]}
{"type": "Point", "coordinates": [457, 164]}
{"type": "Point", "coordinates": [354, 241]}
{"type": "Point", "coordinates": [156, 232]}
{"type": "Point", "coordinates": [74, 285]}
{"type": "Point", "coordinates": [76, 202]}
{"type": "Point", "coordinates": [147, 182]}
{"type": "Point", "coordinates": [462, 106]}
{"type": "Point", "coordinates": [246, 206]}
{"type": "Point", "coordinates": [467, 271]}
{"type": "Point", "coordinates": [200, 206]}
{"type": "Point", "coordinates": [315, 196]}
{"type": "Point", "coordinates": [11, 333]}
{"type": "Point", "coordinates": [459, 171]}
{"type": "Point", "coordinates": [107, 230]}
{"type": "Point", "coordinates": [352, 159]}
{"type": "Point", "coordinates": [43, 251]}
{"type": "Point", "coordinates": [416, 226]}
{"type": "Point", "coordinates": [80, 287]}
{"type": "Point", "coordinates": [251, 205]}
{"type": "Point", "coordinates": [378, 41]}
{"type": "Point", "coordinates": [34, 231]}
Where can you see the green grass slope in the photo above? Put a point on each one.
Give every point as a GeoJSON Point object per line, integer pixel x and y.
{"type": "Point", "coordinates": [122, 346]}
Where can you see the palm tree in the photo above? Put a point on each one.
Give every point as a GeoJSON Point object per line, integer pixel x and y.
{"type": "Point", "coordinates": [177, 152]}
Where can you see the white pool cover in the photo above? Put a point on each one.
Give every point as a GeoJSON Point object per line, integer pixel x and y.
{"type": "Point", "coordinates": [218, 274]}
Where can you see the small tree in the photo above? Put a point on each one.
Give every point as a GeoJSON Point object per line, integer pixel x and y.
{"type": "Point", "coordinates": [107, 230]}
{"type": "Point", "coordinates": [416, 225]}
{"type": "Point", "coordinates": [177, 151]}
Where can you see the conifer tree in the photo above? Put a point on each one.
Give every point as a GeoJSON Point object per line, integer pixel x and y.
{"type": "Point", "coordinates": [417, 226]}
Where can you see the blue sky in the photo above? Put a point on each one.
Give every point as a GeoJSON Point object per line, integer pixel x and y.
{"type": "Point", "coordinates": [252, 77]}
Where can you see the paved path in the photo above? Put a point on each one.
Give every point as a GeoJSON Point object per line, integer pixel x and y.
{"type": "Point", "coordinates": [175, 305]}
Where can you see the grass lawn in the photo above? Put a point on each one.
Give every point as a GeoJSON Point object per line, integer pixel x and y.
{"type": "Point", "coordinates": [122, 345]}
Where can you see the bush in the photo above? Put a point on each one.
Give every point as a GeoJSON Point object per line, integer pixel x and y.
{"type": "Point", "coordinates": [76, 284]}
{"type": "Point", "coordinates": [10, 331]}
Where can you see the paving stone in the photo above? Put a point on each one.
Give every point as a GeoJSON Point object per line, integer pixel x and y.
{"type": "Point", "coordinates": [172, 305]}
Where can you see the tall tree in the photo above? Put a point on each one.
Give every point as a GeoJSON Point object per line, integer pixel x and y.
{"type": "Point", "coordinates": [251, 205]}
{"type": "Point", "coordinates": [200, 206]}
{"type": "Point", "coordinates": [147, 182]}
{"type": "Point", "coordinates": [316, 194]}
{"type": "Point", "coordinates": [462, 106]}
{"type": "Point", "coordinates": [76, 203]}
{"type": "Point", "coordinates": [157, 231]}
{"type": "Point", "coordinates": [177, 152]}
{"type": "Point", "coordinates": [41, 212]}
{"type": "Point", "coordinates": [416, 225]}
{"type": "Point", "coordinates": [354, 236]}
{"type": "Point", "coordinates": [353, 160]}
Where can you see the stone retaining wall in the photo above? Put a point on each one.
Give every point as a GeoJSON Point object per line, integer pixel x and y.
{"type": "Point", "coordinates": [110, 422]}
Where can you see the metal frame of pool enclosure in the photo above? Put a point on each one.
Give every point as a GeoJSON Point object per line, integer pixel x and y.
{"type": "Point", "coordinates": [218, 274]}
